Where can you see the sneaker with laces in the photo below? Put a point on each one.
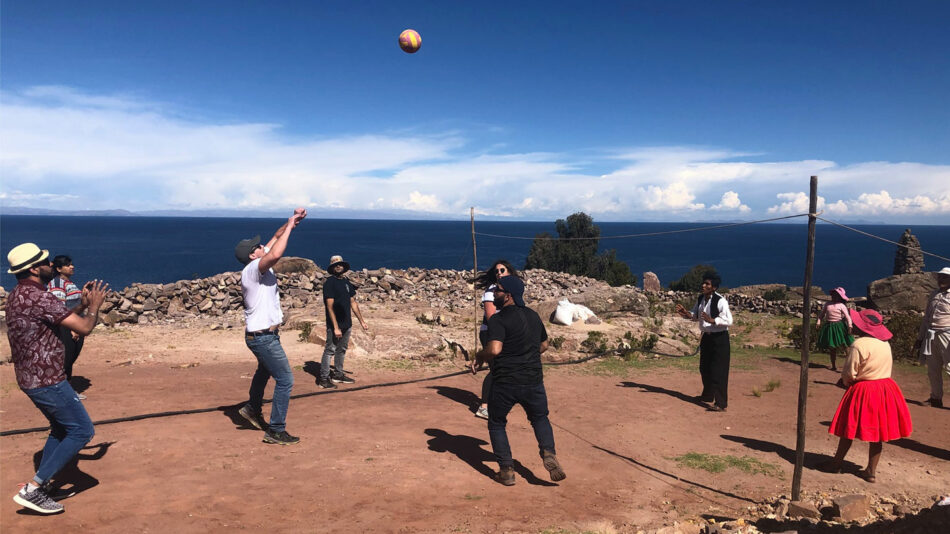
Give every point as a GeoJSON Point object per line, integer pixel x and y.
{"type": "Point", "coordinates": [280, 438]}
{"type": "Point", "coordinates": [506, 476]}
{"type": "Point", "coordinates": [341, 378]}
{"type": "Point", "coordinates": [482, 412]}
{"type": "Point", "coordinates": [254, 417]}
{"type": "Point", "coordinates": [553, 466]}
{"type": "Point", "coordinates": [326, 383]}
{"type": "Point", "coordinates": [37, 500]}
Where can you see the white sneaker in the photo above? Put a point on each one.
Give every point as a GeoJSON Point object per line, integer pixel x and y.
{"type": "Point", "coordinates": [482, 412]}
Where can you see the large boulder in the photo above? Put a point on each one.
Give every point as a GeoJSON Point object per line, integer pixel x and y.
{"type": "Point", "coordinates": [291, 264]}
{"type": "Point", "coordinates": [902, 292]}
{"type": "Point", "coordinates": [651, 282]}
{"type": "Point", "coordinates": [613, 299]}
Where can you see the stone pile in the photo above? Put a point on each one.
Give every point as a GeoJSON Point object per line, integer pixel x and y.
{"type": "Point", "coordinates": [909, 259]}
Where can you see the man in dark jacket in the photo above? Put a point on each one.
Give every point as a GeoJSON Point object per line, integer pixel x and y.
{"type": "Point", "coordinates": [516, 339]}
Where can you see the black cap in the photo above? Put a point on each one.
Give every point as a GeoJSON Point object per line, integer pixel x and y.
{"type": "Point", "coordinates": [244, 249]}
{"type": "Point", "coordinates": [514, 287]}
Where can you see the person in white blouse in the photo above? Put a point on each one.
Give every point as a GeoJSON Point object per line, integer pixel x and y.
{"type": "Point", "coordinates": [712, 313]}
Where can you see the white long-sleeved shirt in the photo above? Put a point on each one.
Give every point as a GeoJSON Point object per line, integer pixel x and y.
{"type": "Point", "coordinates": [721, 323]}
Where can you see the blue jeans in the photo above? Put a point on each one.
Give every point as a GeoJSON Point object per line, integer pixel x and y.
{"type": "Point", "coordinates": [271, 362]}
{"type": "Point", "coordinates": [70, 426]}
{"type": "Point", "coordinates": [337, 349]}
{"type": "Point", "coordinates": [534, 400]}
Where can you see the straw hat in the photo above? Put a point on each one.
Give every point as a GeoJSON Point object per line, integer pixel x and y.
{"type": "Point", "coordinates": [24, 256]}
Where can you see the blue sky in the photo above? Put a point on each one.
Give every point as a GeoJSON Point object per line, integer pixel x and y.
{"type": "Point", "coordinates": [533, 110]}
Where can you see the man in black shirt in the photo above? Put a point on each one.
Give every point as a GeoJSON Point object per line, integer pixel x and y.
{"type": "Point", "coordinates": [516, 339]}
{"type": "Point", "coordinates": [339, 297]}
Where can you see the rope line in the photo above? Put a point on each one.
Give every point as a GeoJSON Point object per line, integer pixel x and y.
{"type": "Point", "coordinates": [922, 251]}
{"type": "Point", "coordinates": [648, 234]}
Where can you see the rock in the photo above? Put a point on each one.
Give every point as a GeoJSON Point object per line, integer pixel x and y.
{"type": "Point", "coordinates": [149, 305]}
{"type": "Point", "coordinates": [902, 292]}
{"type": "Point", "coordinates": [803, 509]}
{"type": "Point", "coordinates": [909, 259]}
{"type": "Point", "coordinates": [851, 507]}
{"type": "Point", "coordinates": [290, 265]}
{"type": "Point", "coordinates": [616, 299]}
{"type": "Point", "coordinates": [206, 305]}
{"type": "Point", "coordinates": [651, 282]}
{"type": "Point", "coordinates": [593, 320]}
{"type": "Point", "coordinates": [902, 509]}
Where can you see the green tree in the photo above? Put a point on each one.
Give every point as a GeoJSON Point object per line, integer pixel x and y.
{"type": "Point", "coordinates": [692, 280]}
{"type": "Point", "coordinates": [575, 252]}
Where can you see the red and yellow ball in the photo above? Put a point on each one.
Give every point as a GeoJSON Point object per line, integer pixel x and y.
{"type": "Point", "coordinates": [410, 41]}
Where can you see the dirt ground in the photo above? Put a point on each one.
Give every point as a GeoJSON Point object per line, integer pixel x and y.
{"type": "Point", "coordinates": [410, 457]}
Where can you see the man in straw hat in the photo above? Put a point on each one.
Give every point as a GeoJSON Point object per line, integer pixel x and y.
{"type": "Point", "coordinates": [516, 339]}
{"type": "Point", "coordinates": [339, 297]}
{"type": "Point", "coordinates": [34, 316]}
{"type": "Point", "coordinates": [262, 318]}
{"type": "Point", "coordinates": [934, 337]}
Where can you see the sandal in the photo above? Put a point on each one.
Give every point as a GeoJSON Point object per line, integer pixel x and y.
{"type": "Point", "coordinates": [868, 477]}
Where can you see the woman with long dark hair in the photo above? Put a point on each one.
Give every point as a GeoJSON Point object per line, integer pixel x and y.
{"type": "Point", "coordinates": [486, 280]}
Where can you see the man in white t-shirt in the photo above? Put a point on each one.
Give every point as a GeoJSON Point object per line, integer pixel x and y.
{"type": "Point", "coordinates": [262, 317]}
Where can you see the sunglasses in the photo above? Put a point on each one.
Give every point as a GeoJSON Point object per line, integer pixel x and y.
{"type": "Point", "coordinates": [501, 270]}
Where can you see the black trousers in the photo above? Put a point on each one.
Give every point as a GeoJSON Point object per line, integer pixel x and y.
{"type": "Point", "coordinates": [714, 367]}
{"type": "Point", "coordinates": [486, 383]}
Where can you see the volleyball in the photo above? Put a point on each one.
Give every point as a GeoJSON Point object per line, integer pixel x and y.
{"type": "Point", "coordinates": [410, 41]}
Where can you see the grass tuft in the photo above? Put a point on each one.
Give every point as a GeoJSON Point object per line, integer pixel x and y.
{"type": "Point", "coordinates": [717, 464]}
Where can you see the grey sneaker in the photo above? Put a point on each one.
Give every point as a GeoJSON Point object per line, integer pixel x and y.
{"type": "Point", "coordinates": [482, 412]}
{"type": "Point", "coordinates": [326, 383]}
{"type": "Point", "coordinates": [255, 418]}
{"type": "Point", "coordinates": [553, 466]}
{"type": "Point", "coordinates": [280, 438]}
{"type": "Point", "coordinates": [341, 378]}
{"type": "Point", "coordinates": [505, 476]}
{"type": "Point", "coordinates": [37, 500]}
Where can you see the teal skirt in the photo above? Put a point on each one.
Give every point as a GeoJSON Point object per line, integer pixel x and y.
{"type": "Point", "coordinates": [834, 335]}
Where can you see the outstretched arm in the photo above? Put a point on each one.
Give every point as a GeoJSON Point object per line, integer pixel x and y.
{"type": "Point", "coordinates": [278, 243]}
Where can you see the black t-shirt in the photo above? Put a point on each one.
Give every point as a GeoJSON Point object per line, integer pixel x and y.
{"type": "Point", "coordinates": [341, 291]}
{"type": "Point", "coordinates": [521, 333]}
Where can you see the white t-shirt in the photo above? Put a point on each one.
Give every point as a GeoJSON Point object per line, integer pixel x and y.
{"type": "Point", "coordinates": [261, 298]}
{"type": "Point", "coordinates": [488, 296]}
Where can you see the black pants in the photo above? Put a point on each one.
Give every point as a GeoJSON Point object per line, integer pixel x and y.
{"type": "Point", "coordinates": [72, 347]}
{"type": "Point", "coordinates": [486, 383]}
{"type": "Point", "coordinates": [714, 367]}
{"type": "Point", "coordinates": [534, 399]}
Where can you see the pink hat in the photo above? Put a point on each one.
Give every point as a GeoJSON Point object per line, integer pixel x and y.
{"type": "Point", "coordinates": [841, 293]}
{"type": "Point", "coordinates": [871, 323]}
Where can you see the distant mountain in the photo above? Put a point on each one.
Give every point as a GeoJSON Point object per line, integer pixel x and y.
{"type": "Point", "coordinates": [16, 210]}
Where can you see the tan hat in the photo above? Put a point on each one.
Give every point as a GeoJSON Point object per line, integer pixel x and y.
{"type": "Point", "coordinates": [24, 256]}
{"type": "Point", "coordinates": [338, 260]}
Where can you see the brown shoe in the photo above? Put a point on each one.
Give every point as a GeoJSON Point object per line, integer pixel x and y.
{"type": "Point", "coordinates": [553, 466]}
{"type": "Point", "coordinates": [506, 476]}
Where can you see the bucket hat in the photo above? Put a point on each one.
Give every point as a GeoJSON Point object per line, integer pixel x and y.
{"type": "Point", "coordinates": [338, 260]}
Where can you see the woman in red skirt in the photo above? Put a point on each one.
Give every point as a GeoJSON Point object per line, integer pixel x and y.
{"type": "Point", "coordinates": [873, 408]}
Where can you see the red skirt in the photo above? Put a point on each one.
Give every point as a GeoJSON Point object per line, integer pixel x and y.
{"type": "Point", "coordinates": [872, 410]}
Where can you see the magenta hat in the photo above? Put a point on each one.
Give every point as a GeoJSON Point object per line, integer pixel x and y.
{"type": "Point", "coordinates": [871, 323]}
{"type": "Point", "coordinates": [841, 293]}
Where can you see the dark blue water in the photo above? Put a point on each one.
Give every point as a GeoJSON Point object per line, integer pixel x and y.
{"type": "Point", "coordinates": [123, 250]}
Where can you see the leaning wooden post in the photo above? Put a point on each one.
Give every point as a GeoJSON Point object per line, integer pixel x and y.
{"type": "Point", "coordinates": [474, 276]}
{"type": "Point", "coordinates": [806, 340]}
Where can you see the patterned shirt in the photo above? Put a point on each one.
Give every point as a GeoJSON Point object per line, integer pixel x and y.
{"type": "Point", "coordinates": [33, 315]}
{"type": "Point", "coordinates": [66, 291]}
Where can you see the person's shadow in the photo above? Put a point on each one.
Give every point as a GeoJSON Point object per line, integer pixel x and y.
{"type": "Point", "coordinates": [470, 451]}
{"type": "Point", "coordinates": [240, 423]}
{"type": "Point", "coordinates": [657, 389]}
{"type": "Point", "coordinates": [461, 396]}
{"type": "Point", "coordinates": [70, 480]}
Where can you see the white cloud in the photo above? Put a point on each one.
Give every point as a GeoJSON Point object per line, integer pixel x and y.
{"type": "Point", "coordinates": [730, 201]}
{"type": "Point", "coordinates": [62, 147]}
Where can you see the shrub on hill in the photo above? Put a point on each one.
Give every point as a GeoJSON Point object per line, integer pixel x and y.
{"type": "Point", "coordinates": [575, 252]}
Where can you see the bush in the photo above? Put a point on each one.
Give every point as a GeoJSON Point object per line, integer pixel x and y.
{"type": "Point", "coordinates": [795, 336]}
{"type": "Point", "coordinates": [556, 342]}
{"type": "Point", "coordinates": [905, 327]}
{"type": "Point", "coordinates": [692, 280]}
{"type": "Point", "coordinates": [776, 294]}
{"type": "Point", "coordinates": [575, 252]}
{"type": "Point", "coordinates": [305, 329]}
{"type": "Point", "coordinates": [596, 343]}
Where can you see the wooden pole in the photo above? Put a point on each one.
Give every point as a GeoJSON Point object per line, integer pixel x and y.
{"type": "Point", "coordinates": [474, 276]}
{"type": "Point", "coordinates": [806, 340]}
